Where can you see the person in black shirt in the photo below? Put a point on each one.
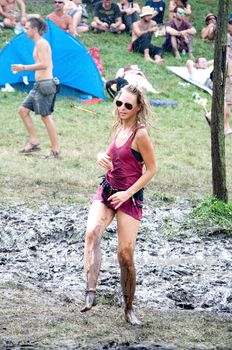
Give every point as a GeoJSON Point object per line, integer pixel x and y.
{"type": "Point", "coordinates": [107, 18]}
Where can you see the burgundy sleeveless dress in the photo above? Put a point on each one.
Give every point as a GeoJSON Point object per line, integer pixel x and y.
{"type": "Point", "coordinates": [127, 169]}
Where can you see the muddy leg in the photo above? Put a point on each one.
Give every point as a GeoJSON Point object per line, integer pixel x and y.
{"type": "Point", "coordinates": [99, 218]}
{"type": "Point", "coordinates": [127, 229]}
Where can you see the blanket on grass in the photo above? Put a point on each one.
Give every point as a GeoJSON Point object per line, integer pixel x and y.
{"type": "Point", "coordinates": [183, 73]}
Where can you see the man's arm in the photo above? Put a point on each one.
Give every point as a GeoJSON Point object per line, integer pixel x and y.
{"type": "Point", "coordinates": [138, 32]}
{"type": "Point", "coordinates": [22, 6]}
{"type": "Point", "coordinates": [70, 25]}
{"type": "Point", "coordinates": [42, 59]}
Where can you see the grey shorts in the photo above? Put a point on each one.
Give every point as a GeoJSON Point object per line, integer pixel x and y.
{"type": "Point", "coordinates": [228, 92]}
{"type": "Point", "coordinates": [41, 98]}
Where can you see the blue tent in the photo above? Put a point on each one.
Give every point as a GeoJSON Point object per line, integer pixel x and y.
{"type": "Point", "coordinates": [73, 65]}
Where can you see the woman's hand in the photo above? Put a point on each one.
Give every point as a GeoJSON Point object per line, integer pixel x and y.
{"type": "Point", "coordinates": [104, 161]}
{"type": "Point", "coordinates": [119, 198]}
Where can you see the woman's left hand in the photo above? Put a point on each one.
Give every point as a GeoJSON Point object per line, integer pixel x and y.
{"type": "Point", "coordinates": [118, 198]}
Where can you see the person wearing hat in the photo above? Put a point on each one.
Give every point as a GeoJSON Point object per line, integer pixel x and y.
{"type": "Point", "coordinates": [142, 32]}
{"type": "Point", "coordinates": [60, 18]}
{"type": "Point", "coordinates": [208, 32]}
{"type": "Point", "coordinates": [159, 8]}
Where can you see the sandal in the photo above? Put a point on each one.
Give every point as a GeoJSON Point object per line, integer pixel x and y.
{"type": "Point", "coordinates": [52, 155]}
{"type": "Point", "coordinates": [30, 147]}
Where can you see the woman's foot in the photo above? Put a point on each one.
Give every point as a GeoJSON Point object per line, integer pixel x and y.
{"type": "Point", "coordinates": [90, 301]}
{"type": "Point", "coordinates": [131, 318]}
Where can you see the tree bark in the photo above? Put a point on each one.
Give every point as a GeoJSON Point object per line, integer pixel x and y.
{"type": "Point", "coordinates": [217, 112]}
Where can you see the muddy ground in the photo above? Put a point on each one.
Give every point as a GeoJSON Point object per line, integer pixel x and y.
{"type": "Point", "coordinates": [184, 283]}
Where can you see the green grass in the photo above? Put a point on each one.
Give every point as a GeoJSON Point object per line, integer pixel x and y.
{"type": "Point", "coordinates": [213, 214]}
{"type": "Point", "coordinates": [181, 135]}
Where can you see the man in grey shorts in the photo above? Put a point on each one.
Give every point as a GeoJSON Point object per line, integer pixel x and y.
{"type": "Point", "coordinates": [41, 98]}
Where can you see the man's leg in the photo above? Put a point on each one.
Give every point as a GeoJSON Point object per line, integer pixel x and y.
{"type": "Point", "coordinates": [26, 118]}
{"type": "Point", "coordinates": [175, 47]}
{"type": "Point", "coordinates": [127, 233]}
{"type": "Point", "coordinates": [227, 109]}
{"type": "Point", "coordinates": [189, 42]}
{"type": "Point", "coordinates": [52, 133]}
{"type": "Point", "coordinates": [99, 218]}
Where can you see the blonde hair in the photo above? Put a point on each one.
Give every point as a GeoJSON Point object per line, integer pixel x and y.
{"type": "Point", "coordinates": [144, 112]}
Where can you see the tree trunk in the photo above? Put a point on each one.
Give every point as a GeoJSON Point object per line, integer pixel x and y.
{"type": "Point", "coordinates": [217, 113]}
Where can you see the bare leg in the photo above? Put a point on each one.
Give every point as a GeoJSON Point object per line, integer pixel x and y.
{"type": "Point", "coordinates": [190, 46]}
{"type": "Point", "coordinates": [158, 59]}
{"type": "Point", "coordinates": [99, 218]}
{"type": "Point", "coordinates": [227, 128]}
{"type": "Point", "coordinates": [147, 55]}
{"type": "Point", "coordinates": [52, 133]}
{"type": "Point", "coordinates": [77, 19]}
{"type": "Point", "coordinates": [127, 231]}
{"type": "Point", "coordinates": [175, 47]}
{"type": "Point", "coordinates": [26, 118]}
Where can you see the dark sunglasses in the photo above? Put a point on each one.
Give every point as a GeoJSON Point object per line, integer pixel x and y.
{"type": "Point", "coordinates": [58, 2]}
{"type": "Point", "coordinates": [128, 105]}
{"type": "Point", "coordinates": [210, 18]}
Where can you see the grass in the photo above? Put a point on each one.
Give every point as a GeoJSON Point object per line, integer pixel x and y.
{"type": "Point", "coordinates": [181, 135]}
{"type": "Point", "coordinates": [213, 214]}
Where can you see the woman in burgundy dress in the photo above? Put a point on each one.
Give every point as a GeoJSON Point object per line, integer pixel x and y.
{"type": "Point", "coordinates": [130, 165]}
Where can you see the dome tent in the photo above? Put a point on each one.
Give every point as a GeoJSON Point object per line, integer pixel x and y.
{"type": "Point", "coordinates": [72, 63]}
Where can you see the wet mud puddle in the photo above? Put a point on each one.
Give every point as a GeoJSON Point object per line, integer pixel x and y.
{"type": "Point", "coordinates": [43, 249]}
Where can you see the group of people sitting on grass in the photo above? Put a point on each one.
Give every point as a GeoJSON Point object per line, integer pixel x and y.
{"type": "Point", "coordinates": [141, 24]}
{"type": "Point", "coordinates": [126, 15]}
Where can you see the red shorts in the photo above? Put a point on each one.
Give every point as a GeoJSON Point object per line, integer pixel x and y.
{"type": "Point", "coordinates": [127, 207]}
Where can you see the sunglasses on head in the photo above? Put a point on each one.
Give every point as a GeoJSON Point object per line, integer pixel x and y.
{"type": "Point", "coordinates": [128, 105]}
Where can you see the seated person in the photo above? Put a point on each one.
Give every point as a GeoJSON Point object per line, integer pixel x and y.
{"type": "Point", "coordinates": [130, 13]}
{"type": "Point", "coordinates": [208, 32]}
{"type": "Point", "coordinates": [14, 12]}
{"type": "Point", "coordinates": [179, 35]}
{"type": "Point", "coordinates": [142, 32]}
{"type": "Point", "coordinates": [61, 19]}
{"type": "Point", "coordinates": [107, 18]}
{"type": "Point", "coordinates": [200, 71]}
{"type": "Point", "coordinates": [78, 12]}
{"type": "Point", "coordinates": [159, 8]}
{"type": "Point", "coordinates": [183, 4]}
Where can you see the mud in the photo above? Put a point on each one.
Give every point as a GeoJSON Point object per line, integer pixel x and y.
{"type": "Point", "coordinates": [41, 258]}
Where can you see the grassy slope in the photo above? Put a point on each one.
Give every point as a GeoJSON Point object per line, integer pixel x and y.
{"type": "Point", "coordinates": [181, 135]}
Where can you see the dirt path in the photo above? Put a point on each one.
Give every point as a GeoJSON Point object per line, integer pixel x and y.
{"type": "Point", "coordinates": [183, 292]}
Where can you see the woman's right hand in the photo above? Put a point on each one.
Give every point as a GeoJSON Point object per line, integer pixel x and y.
{"type": "Point", "coordinates": [104, 161]}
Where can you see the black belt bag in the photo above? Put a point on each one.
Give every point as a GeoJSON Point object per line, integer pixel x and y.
{"type": "Point", "coordinates": [108, 190]}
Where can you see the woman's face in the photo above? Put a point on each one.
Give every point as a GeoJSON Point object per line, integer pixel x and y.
{"type": "Point", "coordinates": [127, 106]}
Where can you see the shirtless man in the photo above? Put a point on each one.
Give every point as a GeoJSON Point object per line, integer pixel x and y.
{"type": "Point", "coordinates": [14, 11]}
{"type": "Point", "coordinates": [142, 32]}
{"type": "Point", "coordinates": [60, 18]}
{"type": "Point", "coordinates": [41, 98]}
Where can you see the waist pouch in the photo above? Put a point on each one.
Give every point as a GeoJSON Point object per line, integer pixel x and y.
{"type": "Point", "coordinates": [46, 87]}
{"type": "Point", "coordinates": [108, 190]}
